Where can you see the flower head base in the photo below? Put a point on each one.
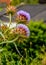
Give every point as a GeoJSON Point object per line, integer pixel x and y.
{"type": "Point", "coordinates": [4, 27]}
{"type": "Point", "coordinates": [22, 29]}
{"type": "Point", "coordinates": [23, 15]}
{"type": "Point", "coordinates": [11, 9]}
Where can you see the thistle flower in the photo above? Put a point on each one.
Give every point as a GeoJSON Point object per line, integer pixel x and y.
{"type": "Point", "coordinates": [4, 27]}
{"type": "Point", "coordinates": [22, 29]}
{"type": "Point", "coordinates": [23, 15]}
{"type": "Point", "coordinates": [11, 9]}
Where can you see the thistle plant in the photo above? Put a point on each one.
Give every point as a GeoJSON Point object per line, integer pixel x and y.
{"type": "Point", "coordinates": [13, 38]}
{"type": "Point", "coordinates": [10, 11]}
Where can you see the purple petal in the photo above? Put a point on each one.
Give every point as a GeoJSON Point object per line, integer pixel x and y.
{"type": "Point", "coordinates": [24, 27]}
{"type": "Point", "coordinates": [24, 13]}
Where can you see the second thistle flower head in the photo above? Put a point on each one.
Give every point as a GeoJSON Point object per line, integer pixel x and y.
{"type": "Point", "coordinates": [23, 15]}
{"type": "Point", "coordinates": [11, 9]}
{"type": "Point", "coordinates": [22, 30]}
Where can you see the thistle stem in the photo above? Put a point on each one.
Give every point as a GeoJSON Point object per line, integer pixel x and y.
{"type": "Point", "coordinates": [2, 36]}
{"type": "Point", "coordinates": [10, 19]}
{"type": "Point", "coordinates": [17, 49]}
{"type": "Point", "coordinates": [4, 42]}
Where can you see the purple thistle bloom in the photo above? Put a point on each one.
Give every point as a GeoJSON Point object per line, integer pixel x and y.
{"type": "Point", "coordinates": [25, 28]}
{"type": "Point", "coordinates": [26, 14]}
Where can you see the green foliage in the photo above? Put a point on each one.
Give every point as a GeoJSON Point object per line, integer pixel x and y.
{"type": "Point", "coordinates": [17, 2]}
{"type": "Point", "coordinates": [31, 1]}
{"type": "Point", "coordinates": [18, 50]}
{"type": "Point", "coordinates": [38, 32]}
{"type": "Point", "coordinates": [0, 9]}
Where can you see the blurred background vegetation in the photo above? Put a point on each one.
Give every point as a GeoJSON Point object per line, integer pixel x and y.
{"type": "Point", "coordinates": [15, 2]}
{"type": "Point", "coordinates": [19, 2]}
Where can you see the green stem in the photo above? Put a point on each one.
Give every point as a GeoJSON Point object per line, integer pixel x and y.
{"type": "Point", "coordinates": [2, 36]}
{"type": "Point", "coordinates": [17, 49]}
{"type": "Point", "coordinates": [4, 42]}
{"type": "Point", "coordinates": [10, 19]}
{"type": "Point", "coordinates": [6, 31]}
